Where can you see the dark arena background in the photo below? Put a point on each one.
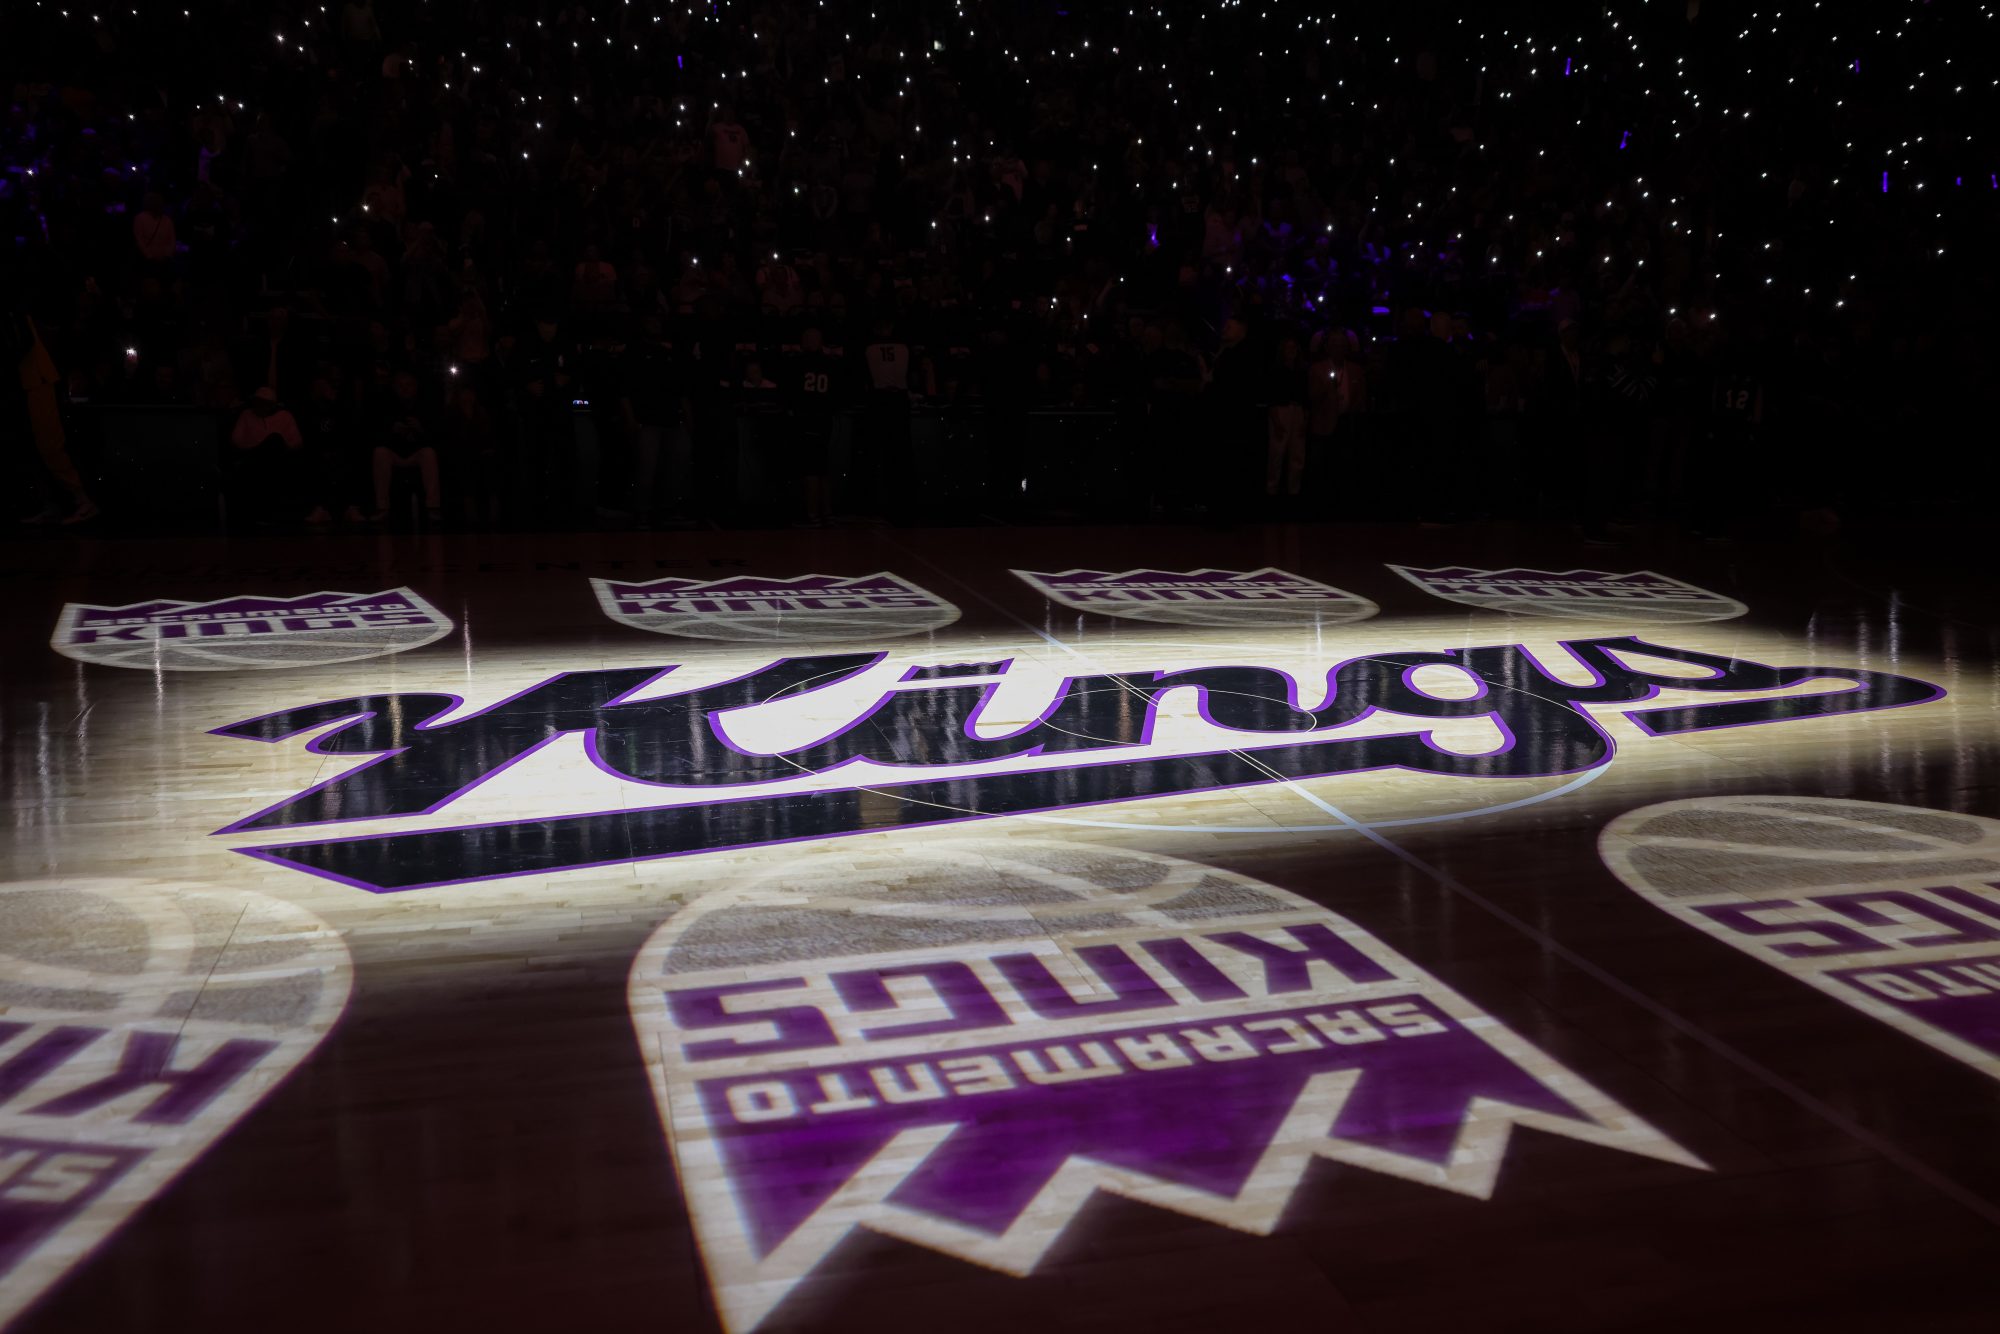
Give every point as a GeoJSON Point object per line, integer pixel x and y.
{"type": "Point", "coordinates": [967, 666]}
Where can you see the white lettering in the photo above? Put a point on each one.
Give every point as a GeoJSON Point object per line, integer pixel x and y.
{"type": "Point", "coordinates": [1067, 1067]}
{"type": "Point", "coordinates": [976, 1074]}
{"type": "Point", "coordinates": [766, 1100]}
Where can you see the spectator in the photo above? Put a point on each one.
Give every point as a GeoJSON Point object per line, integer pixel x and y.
{"type": "Point", "coordinates": [153, 231]}
{"type": "Point", "coordinates": [1236, 381]}
{"type": "Point", "coordinates": [881, 454]}
{"type": "Point", "coordinates": [1176, 377]}
{"type": "Point", "coordinates": [472, 447]}
{"type": "Point", "coordinates": [338, 469]}
{"type": "Point", "coordinates": [469, 333]}
{"type": "Point", "coordinates": [654, 401]}
{"type": "Point", "coordinates": [730, 142]}
{"type": "Point", "coordinates": [274, 356]}
{"type": "Point", "coordinates": [1324, 388]}
{"type": "Point", "coordinates": [418, 185]}
{"type": "Point", "coordinates": [407, 443]}
{"type": "Point", "coordinates": [595, 282]}
{"type": "Point", "coordinates": [28, 408]}
{"type": "Point", "coordinates": [1286, 413]}
{"type": "Point", "coordinates": [815, 387]}
{"type": "Point", "coordinates": [269, 457]}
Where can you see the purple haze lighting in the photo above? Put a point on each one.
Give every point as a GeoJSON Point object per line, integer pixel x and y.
{"type": "Point", "coordinates": [1885, 182]}
{"type": "Point", "coordinates": [1566, 67]}
{"type": "Point", "coordinates": [1624, 139]}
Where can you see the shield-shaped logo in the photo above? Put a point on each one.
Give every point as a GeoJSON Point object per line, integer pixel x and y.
{"type": "Point", "coordinates": [962, 1051]}
{"type": "Point", "coordinates": [1202, 597]}
{"type": "Point", "coordinates": [761, 608]}
{"type": "Point", "coordinates": [1641, 597]}
{"type": "Point", "coordinates": [1893, 910]}
{"type": "Point", "coordinates": [249, 631]}
{"type": "Point", "coordinates": [139, 1021]}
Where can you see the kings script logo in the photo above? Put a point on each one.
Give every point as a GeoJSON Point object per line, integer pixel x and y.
{"type": "Point", "coordinates": [832, 744]}
{"type": "Point", "coordinates": [139, 1020]}
{"type": "Point", "coordinates": [1891, 909]}
{"type": "Point", "coordinates": [249, 631]}
{"type": "Point", "coordinates": [1203, 597]}
{"type": "Point", "coordinates": [752, 607]}
{"type": "Point", "coordinates": [961, 1054]}
{"type": "Point", "coordinates": [1591, 595]}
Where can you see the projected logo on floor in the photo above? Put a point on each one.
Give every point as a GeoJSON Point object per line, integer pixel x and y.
{"type": "Point", "coordinates": [1202, 597]}
{"type": "Point", "coordinates": [139, 1020]}
{"type": "Point", "coordinates": [249, 631]}
{"type": "Point", "coordinates": [962, 1053]}
{"type": "Point", "coordinates": [1892, 909]}
{"type": "Point", "coordinates": [1592, 595]}
{"type": "Point", "coordinates": [750, 607]}
{"type": "Point", "coordinates": [834, 744]}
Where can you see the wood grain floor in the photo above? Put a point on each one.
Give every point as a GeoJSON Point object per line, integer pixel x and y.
{"type": "Point", "coordinates": [455, 1122]}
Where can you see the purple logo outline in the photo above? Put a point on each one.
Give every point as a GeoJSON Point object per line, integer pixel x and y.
{"type": "Point", "coordinates": [1199, 1066]}
{"type": "Point", "coordinates": [1901, 924]}
{"type": "Point", "coordinates": [1574, 593]}
{"type": "Point", "coordinates": [925, 722]}
{"type": "Point", "coordinates": [1205, 596]}
{"type": "Point", "coordinates": [739, 607]}
{"type": "Point", "coordinates": [237, 621]}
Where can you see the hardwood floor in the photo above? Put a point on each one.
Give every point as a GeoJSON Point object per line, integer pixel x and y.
{"type": "Point", "coordinates": [1317, 928]}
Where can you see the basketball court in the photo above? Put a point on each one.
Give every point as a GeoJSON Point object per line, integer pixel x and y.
{"type": "Point", "coordinates": [1281, 928]}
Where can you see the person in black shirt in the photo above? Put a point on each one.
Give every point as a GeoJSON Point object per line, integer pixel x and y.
{"type": "Point", "coordinates": [336, 466]}
{"type": "Point", "coordinates": [406, 437]}
{"type": "Point", "coordinates": [654, 403]}
{"type": "Point", "coordinates": [1175, 376]}
{"type": "Point", "coordinates": [812, 388]}
{"type": "Point", "coordinates": [546, 399]}
{"type": "Point", "coordinates": [1235, 377]}
{"type": "Point", "coordinates": [1286, 396]}
{"type": "Point", "coordinates": [471, 447]}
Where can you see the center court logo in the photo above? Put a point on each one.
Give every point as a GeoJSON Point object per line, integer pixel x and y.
{"type": "Point", "coordinates": [1221, 598]}
{"type": "Point", "coordinates": [139, 1020]}
{"type": "Point", "coordinates": [753, 607]}
{"type": "Point", "coordinates": [963, 1053]}
{"type": "Point", "coordinates": [1596, 595]}
{"type": "Point", "coordinates": [249, 631]}
{"type": "Point", "coordinates": [848, 743]}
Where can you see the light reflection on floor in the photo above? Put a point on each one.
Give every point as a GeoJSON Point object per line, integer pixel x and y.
{"type": "Point", "coordinates": [492, 1014]}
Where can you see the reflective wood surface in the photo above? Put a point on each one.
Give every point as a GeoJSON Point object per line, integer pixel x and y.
{"type": "Point", "coordinates": [493, 869]}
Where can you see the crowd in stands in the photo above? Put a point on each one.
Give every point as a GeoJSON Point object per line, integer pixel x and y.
{"type": "Point", "coordinates": [473, 261]}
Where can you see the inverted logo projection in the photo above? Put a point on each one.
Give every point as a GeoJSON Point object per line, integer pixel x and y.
{"type": "Point", "coordinates": [1202, 597]}
{"type": "Point", "coordinates": [1891, 909]}
{"type": "Point", "coordinates": [1595, 595]}
{"type": "Point", "coordinates": [752, 607]}
{"type": "Point", "coordinates": [138, 1021]}
{"type": "Point", "coordinates": [249, 631]}
{"type": "Point", "coordinates": [875, 750]}
{"type": "Point", "coordinates": [961, 1054]}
